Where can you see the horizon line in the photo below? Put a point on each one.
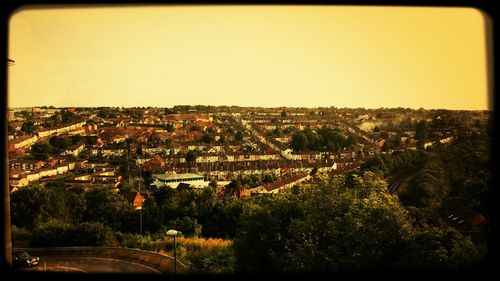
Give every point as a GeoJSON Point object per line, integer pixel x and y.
{"type": "Point", "coordinates": [247, 106]}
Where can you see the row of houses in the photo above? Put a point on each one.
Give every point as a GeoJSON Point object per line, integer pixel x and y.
{"type": "Point", "coordinates": [18, 178]}
{"type": "Point", "coordinates": [280, 185]}
{"type": "Point", "coordinates": [23, 172]}
{"type": "Point", "coordinates": [28, 141]}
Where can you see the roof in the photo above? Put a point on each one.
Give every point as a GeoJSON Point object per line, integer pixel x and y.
{"type": "Point", "coordinates": [477, 220]}
{"type": "Point", "coordinates": [130, 195]}
{"type": "Point", "coordinates": [284, 181]}
{"type": "Point", "coordinates": [172, 176]}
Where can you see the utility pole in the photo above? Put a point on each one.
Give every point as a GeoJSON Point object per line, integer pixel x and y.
{"type": "Point", "coordinates": [6, 195]}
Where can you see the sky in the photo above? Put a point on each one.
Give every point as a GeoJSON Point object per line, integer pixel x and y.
{"type": "Point", "coordinates": [269, 56]}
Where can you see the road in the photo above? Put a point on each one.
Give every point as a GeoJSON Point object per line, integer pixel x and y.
{"type": "Point", "coordinates": [90, 265]}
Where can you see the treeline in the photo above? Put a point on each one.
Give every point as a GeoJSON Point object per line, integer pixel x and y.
{"type": "Point", "coordinates": [197, 212]}
{"type": "Point", "coordinates": [447, 179]}
{"type": "Point", "coordinates": [57, 144]}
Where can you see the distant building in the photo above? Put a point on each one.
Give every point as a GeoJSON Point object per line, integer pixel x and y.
{"type": "Point", "coordinates": [172, 180]}
{"type": "Point", "coordinates": [134, 198]}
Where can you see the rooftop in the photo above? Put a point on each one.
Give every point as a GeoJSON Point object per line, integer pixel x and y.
{"type": "Point", "coordinates": [172, 176]}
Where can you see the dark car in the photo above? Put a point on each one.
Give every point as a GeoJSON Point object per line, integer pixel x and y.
{"type": "Point", "coordinates": [23, 259]}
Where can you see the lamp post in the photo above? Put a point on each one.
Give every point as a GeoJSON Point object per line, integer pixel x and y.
{"type": "Point", "coordinates": [140, 219]}
{"type": "Point", "coordinates": [173, 232]}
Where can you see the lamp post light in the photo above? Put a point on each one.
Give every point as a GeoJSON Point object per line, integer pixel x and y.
{"type": "Point", "coordinates": [173, 232]}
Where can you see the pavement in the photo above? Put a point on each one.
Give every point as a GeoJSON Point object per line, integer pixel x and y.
{"type": "Point", "coordinates": [90, 265]}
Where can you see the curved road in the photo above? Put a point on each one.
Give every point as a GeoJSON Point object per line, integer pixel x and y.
{"type": "Point", "coordinates": [90, 265]}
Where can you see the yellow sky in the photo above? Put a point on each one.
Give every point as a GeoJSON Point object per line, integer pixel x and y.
{"type": "Point", "coordinates": [248, 55]}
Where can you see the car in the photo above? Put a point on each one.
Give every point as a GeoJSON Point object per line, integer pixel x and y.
{"type": "Point", "coordinates": [23, 259]}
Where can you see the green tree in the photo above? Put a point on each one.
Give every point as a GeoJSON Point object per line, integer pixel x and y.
{"type": "Point", "coordinates": [188, 226]}
{"type": "Point", "coordinates": [421, 133]}
{"type": "Point", "coordinates": [437, 249]}
{"type": "Point", "coordinates": [169, 127]}
{"type": "Point", "coordinates": [11, 130]}
{"type": "Point", "coordinates": [108, 207]}
{"type": "Point", "coordinates": [94, 234]}
{"type": "Point", "coordinates": [299, 141]}
{"type": "Point", "coordinates": [41, 150]}
{"type": "Point", "coordinates": [238, 136]}
{"type": "Point", "coordinates": [59, 142]}
{"type": "Point", "coordinates": [25, 204]}
{"type": "Point", "coordinates": [341, 225]}
{"type": "Point", "coordinates": [234, 188]}
{"type": "Point", "coordinates": [191, 157]}
{"type": "Point", "coordinates": [28, 127]}
{"type": "Point", "coordinates": [207, 138]}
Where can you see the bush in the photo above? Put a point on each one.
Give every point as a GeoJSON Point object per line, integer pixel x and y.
{"type": "Point", "coordinates": [216, 260]}
{"type": "Point", "coordinates": [94, 234]}
{"type": "Point", "coordinates": [190, 226]}
{"type": "Point", "coordinates": [21, 237]}
{"type": "Point", "coordinates": [56, 233]}
{"type": "Point", "coordinates": [53, 233]}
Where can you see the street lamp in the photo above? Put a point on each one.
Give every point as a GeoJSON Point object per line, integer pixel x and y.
{"type": "Point", "coordinates": [139, 209]}
{"type": "Point", "coordinates": [173, 232]}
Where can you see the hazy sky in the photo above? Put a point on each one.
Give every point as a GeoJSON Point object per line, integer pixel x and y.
{"type": "Point", "coordinates": [248, 55]}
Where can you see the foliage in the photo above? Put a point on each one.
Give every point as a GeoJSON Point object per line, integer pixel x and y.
{"type": "Point", "coordinates": [324, 139]}
{"type": "Point", "coordinates": [217, 260]}
{"type": "Point", "coordinates": [207, 138]}
{"type": "Point", "coordinates": [41, 150]}
{"type": "Point", "coordinates": [437, 249]}
{"type": "Point", "coordinates": [108, 207]}
{"type": "Point", "coordinates": [191, 156]}
{"type": "Point", "coordinates": [238, 136]}
{"type": "Point", "coordinates": [60, 142]}
{"type": "Point", "coordinates": [190, 226]}
{"type": "Point", "coordinates": [28, 127]}
{"type": "Point", "coordinates": [325, 227]}
{"type": "Point", "coordinates": [56, 233]}
{"type": "Point", "coordinates": [421, 133]}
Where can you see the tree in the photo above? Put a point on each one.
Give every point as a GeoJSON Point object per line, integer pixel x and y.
{"type": "Point", "coordinates": [59, 142]}
{"type": "Point", "coordinates": [25, 203]}
{"type": "Point", "coordinates": [213, 183]}
{"type": "Point", "coordinates": [76, 138]}
{"type": "Point", "coordinates": [28, 127]}
{"type": "Point", "coordinates": [299, 141]}
{"type": "Point", "coordinates": [421, 133]}
{"type": "Point", "coordinates": [238, 136]}
{"type": "Point", "coordinates": [169, 127]}
{"type": "Point", "coordinates": [108, 207]}
{"type": "Point", "coordinates": [283, 113]}
{"type": "Point", "coordinates": [222, 139]}
{"type": "Point", "coordinates": [41, 150]}
{"type": "Point", "coordinates": [436, 249]}
{"type": "Point", "coordinates": [207, 138]}
{"type": "Point", "coordinates": [11, 130]}
{"type": "Point", "coordinates": [191, 157]}
{"type": "Point", "coordinates": [188, 226]}
{"type": "Point", "coordinates": [341, 225]}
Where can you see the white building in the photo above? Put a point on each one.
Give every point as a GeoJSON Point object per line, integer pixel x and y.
{"type": "Point", "coordinates": [173, 180]}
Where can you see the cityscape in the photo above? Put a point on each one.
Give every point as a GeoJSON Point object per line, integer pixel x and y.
{"type": "Point", "coordinates": [194, 162]}
{"type": "Point", "coordinates": [247, 139]}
